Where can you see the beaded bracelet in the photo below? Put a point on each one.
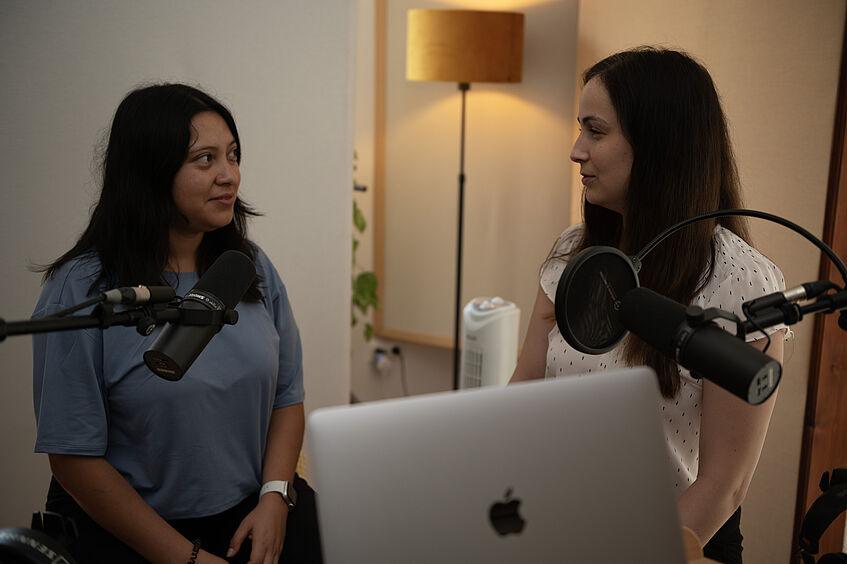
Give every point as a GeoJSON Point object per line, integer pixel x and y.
{"type": "Point", "coordinates": [194, 552]}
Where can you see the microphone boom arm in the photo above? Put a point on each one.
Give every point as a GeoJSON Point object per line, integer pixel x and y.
{"type": "Point", "coordinates": [144, 318]}
{"type": "Point", "coordinates": [839, 264]}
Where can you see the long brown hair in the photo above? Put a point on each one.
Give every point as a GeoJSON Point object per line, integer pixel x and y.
{"type": "Point", "coordinates": [683, 166]}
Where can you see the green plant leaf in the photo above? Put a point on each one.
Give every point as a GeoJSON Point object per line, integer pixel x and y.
{"type": "Point", "coordinates": [358, 219]}
{"type": "Point", "coordinates": [362, 306]}
{"type": "Point", "coordinates": [364, 285]}
{"type": "Point", "coordinates": [359, 303]}
{"type": "Point", "coordinates": [364, 289]}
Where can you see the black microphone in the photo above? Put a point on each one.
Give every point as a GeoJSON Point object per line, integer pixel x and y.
{"type": "Point", "coordinates": [139, 295]}
{"type": "Point", "coordinates": [218, 291]}
{"type": "Point", "coordinates": [705, 349]}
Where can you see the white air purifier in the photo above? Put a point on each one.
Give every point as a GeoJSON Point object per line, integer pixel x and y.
{"type": "Point", "coordinates": [489, 342]}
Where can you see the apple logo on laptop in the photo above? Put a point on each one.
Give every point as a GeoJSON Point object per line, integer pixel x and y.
{"type": "Point", "coordinates": [504, 515]}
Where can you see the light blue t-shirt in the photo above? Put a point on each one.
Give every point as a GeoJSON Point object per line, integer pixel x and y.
{"type": "Point", "coordinates": [193, 447]}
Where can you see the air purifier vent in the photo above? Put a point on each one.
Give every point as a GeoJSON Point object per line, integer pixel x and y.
{"type": "Point", "coordinates": [489, 342]}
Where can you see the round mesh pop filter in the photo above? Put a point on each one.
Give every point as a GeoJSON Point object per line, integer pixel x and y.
{"type": "Point", "coordinates": [588, 298]}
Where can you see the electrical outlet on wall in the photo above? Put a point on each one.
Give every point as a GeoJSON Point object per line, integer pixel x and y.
{"type": "Point", "coordinates": [381, 360]}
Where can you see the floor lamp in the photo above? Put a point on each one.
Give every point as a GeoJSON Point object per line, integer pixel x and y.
{"type": "Point", "coordinates": [463, 46]}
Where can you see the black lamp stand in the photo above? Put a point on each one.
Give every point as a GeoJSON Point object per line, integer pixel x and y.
{"type": "Point", "coordinates": [463, 88]}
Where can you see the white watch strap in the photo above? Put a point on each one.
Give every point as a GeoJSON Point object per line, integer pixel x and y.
{"type": "Point", "coordinates": [281, 487]}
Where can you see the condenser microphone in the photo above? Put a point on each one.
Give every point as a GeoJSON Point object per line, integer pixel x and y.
{"type": "Point", "coordinates": [139, 295]}
{"type": "Point", "coordinates": [218, 291]}
{"type": "Point", "coordinates": [705, 349]}
{"type": "Point", "coordinates": [802, 292]}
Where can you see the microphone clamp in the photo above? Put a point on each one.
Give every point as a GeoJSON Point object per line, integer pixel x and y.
{"type": "Point", "coordinates": [151, 317]}
{"type": "Point", "coordinates": [217, 318]}
{"type": "Point", "coordinates": [696, 316]}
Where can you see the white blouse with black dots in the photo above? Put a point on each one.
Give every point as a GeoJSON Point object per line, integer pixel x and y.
{"type": "Point", "coordinates": [741, 274]}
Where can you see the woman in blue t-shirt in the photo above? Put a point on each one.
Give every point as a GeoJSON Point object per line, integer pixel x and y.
{"type": "Point", "coordinates": [200, 469]}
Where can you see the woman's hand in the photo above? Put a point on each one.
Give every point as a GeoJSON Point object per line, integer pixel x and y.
{"type": "Point", "coordinates": [204, 557]}
{"type": "Point", "coordinates": [110, 501]}
{"type": "Point", "coordinates": [265, 526]}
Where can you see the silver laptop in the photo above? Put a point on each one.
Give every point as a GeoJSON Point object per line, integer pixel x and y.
{"type": "Point", "coordinates": [567, 470]}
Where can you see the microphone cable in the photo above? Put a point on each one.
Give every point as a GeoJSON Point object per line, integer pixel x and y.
{"type": "Point", "coordinates": [79, 306]}
{"type": "Point", "coordinates": [398, 352]}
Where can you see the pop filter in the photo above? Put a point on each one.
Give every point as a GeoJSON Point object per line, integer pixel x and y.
{"type": "Point", "coordinates": [589, 296]}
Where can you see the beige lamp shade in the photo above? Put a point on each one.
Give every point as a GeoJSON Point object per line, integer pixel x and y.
{"type": "Point", "coordinates": [464, 46]}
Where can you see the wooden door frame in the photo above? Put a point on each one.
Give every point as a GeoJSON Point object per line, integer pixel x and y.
{"type": "Point", "coordinates": [825, 424]}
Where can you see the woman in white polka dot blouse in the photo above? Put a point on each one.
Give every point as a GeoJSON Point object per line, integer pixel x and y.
{"type": "Point", "coordinates": [653, 150]}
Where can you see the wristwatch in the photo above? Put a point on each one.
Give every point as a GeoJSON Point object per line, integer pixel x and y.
{"type": "Point", "coordinates": [283, 488]}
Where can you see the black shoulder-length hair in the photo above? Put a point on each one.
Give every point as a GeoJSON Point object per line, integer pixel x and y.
{"type": "Point", "coordinates": [129, 226]}
{"type": "Point", "coordinates": [683, 165]}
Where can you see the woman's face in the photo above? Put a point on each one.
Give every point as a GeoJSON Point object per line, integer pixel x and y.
{"type": "Point", "coordinates": [206, 185]}
{"type": "Point", "coordinates": [603, 153]}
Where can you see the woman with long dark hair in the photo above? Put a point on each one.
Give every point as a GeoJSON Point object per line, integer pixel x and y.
{"type": "Point", "coordinates": [653, 150]}
{"type": "Point", "coordinates": [153, 470]}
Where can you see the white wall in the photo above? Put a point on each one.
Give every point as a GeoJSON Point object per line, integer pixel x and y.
{"type": "Point", "coordinates": [283, 67]}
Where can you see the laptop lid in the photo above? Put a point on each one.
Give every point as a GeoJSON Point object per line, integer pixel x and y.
{"type": "Point", "coordinates": [567, 470]}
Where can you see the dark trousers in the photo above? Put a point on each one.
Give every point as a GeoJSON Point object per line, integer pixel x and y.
{"type": "Point", "coordinates": [94, 544]}
{"type": "Point", "coordinates": [725, 546]}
